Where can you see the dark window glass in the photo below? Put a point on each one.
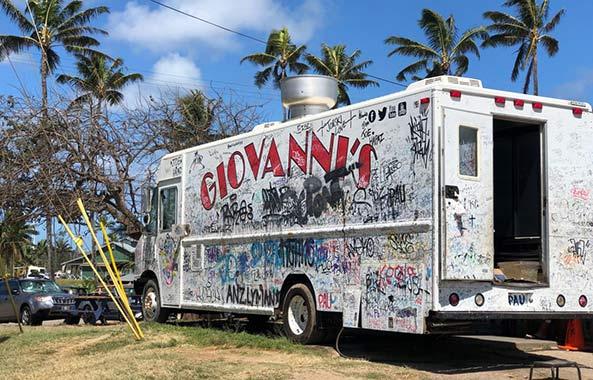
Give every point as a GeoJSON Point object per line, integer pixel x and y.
{"type": "Point", "coordinates": [168, 208]}
{"type": "Point", "coordinates": [468, 151]}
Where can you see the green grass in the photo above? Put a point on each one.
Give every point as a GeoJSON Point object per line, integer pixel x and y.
{"type": "Point", "coordinates": [172, 352]}
{"type": "Point", "coordinates": [223, 339]}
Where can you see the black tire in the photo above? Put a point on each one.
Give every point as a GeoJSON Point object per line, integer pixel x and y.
{"type": "Point", "coordinates": [26, 316]}
{"type": "Point", "coordinates": [88, 315]}
{"type": "Point", "coordinates": [300, 317]}
{"type": "Point", "coordinates": [151, 304]}
{"type": "Point", "coordinates": [72, 320]}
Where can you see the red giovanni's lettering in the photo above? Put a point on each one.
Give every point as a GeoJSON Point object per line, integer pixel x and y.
{"type": "Point", "coordinates": [306, 156]}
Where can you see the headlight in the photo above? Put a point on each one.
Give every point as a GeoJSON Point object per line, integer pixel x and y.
{"type": "Point", "coordinates": [43, 299]}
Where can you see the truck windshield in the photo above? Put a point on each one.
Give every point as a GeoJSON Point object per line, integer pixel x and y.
{"type": "Point", "coordinates": [31, 286]}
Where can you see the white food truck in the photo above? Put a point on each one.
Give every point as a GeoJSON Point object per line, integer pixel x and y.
{"type": "Point", "coordinates": [444, 202]}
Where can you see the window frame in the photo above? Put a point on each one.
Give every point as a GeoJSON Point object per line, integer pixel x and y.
{"type": "Point", "coordinates": [161, 209]}
{"type": "Point", "coordinates": [478, 154]}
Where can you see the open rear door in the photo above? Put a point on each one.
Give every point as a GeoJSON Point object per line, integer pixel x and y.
{"type": "Point", "coordinates": [468, 252]}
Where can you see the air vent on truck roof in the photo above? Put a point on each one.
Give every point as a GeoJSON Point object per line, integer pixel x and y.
{"type": "Point", "coordinates": [446, 79]}
{"type": "Point", "coordinates": [263, 126]}
{"type": "Point", "coordinates": [308, 94]}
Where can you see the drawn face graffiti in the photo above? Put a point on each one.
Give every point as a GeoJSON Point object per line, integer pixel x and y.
{"type": "Point", "coordinates": [168, 254]}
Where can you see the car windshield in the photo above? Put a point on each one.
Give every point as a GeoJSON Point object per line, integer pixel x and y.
{"type": "Point", "coordinates": [33, 286]}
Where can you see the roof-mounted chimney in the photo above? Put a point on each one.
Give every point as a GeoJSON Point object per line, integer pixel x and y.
{"type": "Point", "coordinates": [306, 95]}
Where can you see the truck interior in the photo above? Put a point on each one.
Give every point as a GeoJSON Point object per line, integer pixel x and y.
{"type": "Point", "coordinates": [518, 248]}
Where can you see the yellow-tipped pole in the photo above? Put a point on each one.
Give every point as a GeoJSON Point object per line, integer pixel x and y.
{"type": "Point", "coordinates": [118, 280]}
{"type": "Point", "coordinates": [79, 243]}
{"type": "Point", "coordinates": [105, 260]}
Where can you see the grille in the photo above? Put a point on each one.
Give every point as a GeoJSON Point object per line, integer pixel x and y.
{"type": "Point", "coordinates": [63, 300]}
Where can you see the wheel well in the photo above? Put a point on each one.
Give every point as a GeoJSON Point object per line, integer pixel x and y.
{"type": "Point", "coordinates": [291, 280]}
{"type": "Point", "coordinates": [139, 283]}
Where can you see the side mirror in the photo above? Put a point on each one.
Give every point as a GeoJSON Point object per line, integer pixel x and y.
{"type": "Point", "coordinates": [15, 292]}
{"type": "Point", "coordinates": [146, 199]}
{"type": "Point", "coordinates": [146, 219]}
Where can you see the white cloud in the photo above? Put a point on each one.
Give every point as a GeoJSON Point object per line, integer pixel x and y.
{"type": "Point", "coordinates": [172, 72]}
{"type": "Point", "coordinates": [23, 57]}
{"type": "Point", "coordinates": [159, 29]}
{"type": "Point", "coordinates": [578, 88]}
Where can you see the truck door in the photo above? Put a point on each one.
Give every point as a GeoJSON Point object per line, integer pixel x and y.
{"type": "Point", "coordinates": [467, 193]}
{"type": "Point", "coordinates": [167, 241]}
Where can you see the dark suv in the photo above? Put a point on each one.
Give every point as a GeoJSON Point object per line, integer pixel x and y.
{"type": "Point", "coordinates": [36, 300]}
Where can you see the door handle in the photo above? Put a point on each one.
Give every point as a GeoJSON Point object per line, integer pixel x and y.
{"type": "Point", "coordinates": [452, 192]}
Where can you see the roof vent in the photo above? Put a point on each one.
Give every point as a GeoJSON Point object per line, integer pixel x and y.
{"type": "Point", "coordinates": [308, 94]}
{"type": "Point", "coordinates": [264, 126]}
{"type": "Point", "coordinates": [446, 79]}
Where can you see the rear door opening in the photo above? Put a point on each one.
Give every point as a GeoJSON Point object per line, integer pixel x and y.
{"type": "Point", "coordinates": [518, 202]}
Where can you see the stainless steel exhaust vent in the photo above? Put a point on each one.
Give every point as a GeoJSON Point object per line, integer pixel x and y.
{"type": "Point", "coordinates": [306, 95]}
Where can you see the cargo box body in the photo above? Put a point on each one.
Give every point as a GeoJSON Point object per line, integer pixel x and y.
{"type": "Point", "coordinates": [394, 212]}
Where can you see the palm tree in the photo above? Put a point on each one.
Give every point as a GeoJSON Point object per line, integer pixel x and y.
{"type": "Point", "coordinates": [530, 28]}
{"type": "Point", "coordinates": [64, 250]}
{"type": "Point", "coordinates": [280, 56]}
{"type": "Point", "coordinates": [47, 25]}
{"type": "Point", "coordinates": [336, 63]}
{"type": "Point", "coordinates": [100, 79]}
{"type": "Point", "coordinates": [16, 235]}
{"type": "Point", "coordinates": [444, 54]}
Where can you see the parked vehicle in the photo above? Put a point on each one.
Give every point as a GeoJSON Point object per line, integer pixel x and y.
{"type": "Point", "coordinates": [31, 271]}
{"type": "Point", "coordinates": [442, 203]}
{"type": "Point", "coordinates": [98, 306]}
{"type": "Point", "coordinates": [36, 300]}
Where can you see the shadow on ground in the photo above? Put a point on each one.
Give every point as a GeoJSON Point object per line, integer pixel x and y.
{"type": "Point", "coordinates": [436, 354]}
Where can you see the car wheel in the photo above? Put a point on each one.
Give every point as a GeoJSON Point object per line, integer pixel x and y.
{"type": "Point", "coordinates": [151, 304]}
{"type": "Point", "coordinates": [88, 315]}
{"type": "Point", "coordinates": [26, 315]}
{"type": "Point", "coordinates": [299, 315]}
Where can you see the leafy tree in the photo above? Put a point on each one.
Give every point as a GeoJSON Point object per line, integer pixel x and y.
{"type": "Point", "coordinates": [100, 79]}
{"type": "Point", "coordinates": [64, 250]}
{"type": "Point", "coordinates": [338, 64]}
{"type": "Point", "coordinates": [445, 53]}
{"type": "Point", "coordinates": [36, 254]}
{"type": "Point", "coordinates": [47, 25]}
{"type": "Point", "coordinates": [280, 57]}
{"type": "Point", "coordinates": [16, 235]}
{"type": "Point", "coordinates": [530, 27]}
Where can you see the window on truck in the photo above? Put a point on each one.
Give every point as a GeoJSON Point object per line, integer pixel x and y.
{"type": "Point", "coordinates": [468, 151]}
{"type": "Point", "coordinates": [168, 208]}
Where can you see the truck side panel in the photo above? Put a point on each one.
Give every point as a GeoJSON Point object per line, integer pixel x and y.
{"type": "Point", "coordinates": [344, 199]}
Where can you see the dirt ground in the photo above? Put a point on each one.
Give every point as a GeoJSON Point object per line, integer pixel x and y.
{"type": "Point", "coordinates": [171, 351]}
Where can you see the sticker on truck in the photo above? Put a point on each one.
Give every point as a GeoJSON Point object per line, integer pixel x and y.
{"type": "Point", "coordinates": [520, 299]}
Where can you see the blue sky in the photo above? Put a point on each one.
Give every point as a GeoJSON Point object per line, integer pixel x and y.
{"type": "Point", "coordinates": [173, 50]}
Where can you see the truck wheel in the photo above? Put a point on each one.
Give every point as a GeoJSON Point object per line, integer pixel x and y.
{"type": "Point", "coordinates": [151, 304]}
{"type": "Point", "coordinates": [299, 315]}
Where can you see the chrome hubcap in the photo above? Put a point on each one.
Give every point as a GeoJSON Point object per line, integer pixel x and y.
{"type": "Point", "coordinates": [298, 315]}
{"type": "Point", "coordinates": [25, 317]}
{"type": "Point", "coordinates": [150, 304]}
